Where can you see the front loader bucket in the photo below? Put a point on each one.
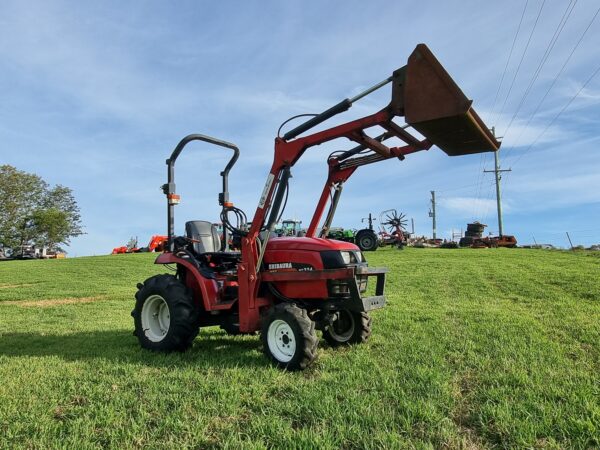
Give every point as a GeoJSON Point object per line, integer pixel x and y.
{"type": "Point", "coordinates": [436, 107]}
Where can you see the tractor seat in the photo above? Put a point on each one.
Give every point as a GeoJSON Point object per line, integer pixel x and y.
{"type": "Point", "coordinates": [208, 243]}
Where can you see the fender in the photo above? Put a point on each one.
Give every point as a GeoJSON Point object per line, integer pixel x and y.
{"type": "Point", "coordinates": [204, 287]}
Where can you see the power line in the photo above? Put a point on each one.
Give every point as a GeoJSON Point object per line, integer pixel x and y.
{"type": "Point", "coordinates": [521, 61]}
{"type": "Point", "coordinates": [559, 73]}
{"type": "Point", "coordinates": [488, 201]}
{"type": "Point", "coordinates": [538, 106]}
{"type": "Point", "coordinates": [549, 48]}
{"type": "Point", "coordinates": [456, 188]}
{"type": "Point", "coordinates": [483, 156]}
{"type": "Point", "coordinates": [446, 196]}
{"type": "Point", "coordinates": [479, 183]}
{"type": "Point", "coordinates": [559, 114]}
{"type": "Point", "coordinates": [509, 56]}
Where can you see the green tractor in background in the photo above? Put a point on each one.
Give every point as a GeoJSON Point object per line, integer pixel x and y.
{"type": "Point", "coordinates": [290, 227]}
{"type": "Point", "coordinates": [366, 239]}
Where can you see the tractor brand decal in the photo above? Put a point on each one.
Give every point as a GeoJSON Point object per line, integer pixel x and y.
{"type": "Point", "coordinates": [300, 267]}
{"type": "Point", "coordinates": [265, 192]}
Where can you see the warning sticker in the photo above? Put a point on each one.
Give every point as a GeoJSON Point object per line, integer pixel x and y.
{"type": "Point", "coordinates": [265, 192]}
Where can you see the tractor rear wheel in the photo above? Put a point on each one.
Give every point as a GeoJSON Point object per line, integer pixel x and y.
{"type": "Point", "coordinates": [366, 240]}
{"type": "Point", "coordinates": [165, 316]}
{"type": "Point", "coordinates": [348, 328]}
{"type": "Point", "coordinates": [289, 337]}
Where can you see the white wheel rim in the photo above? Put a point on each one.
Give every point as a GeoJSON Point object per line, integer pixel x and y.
{"type": "Point", "coordinates": [281, 340]}
{"type": "Point", "coordinates": [342, 336]}
{"type": "Point", "coordinates": [156, 318]}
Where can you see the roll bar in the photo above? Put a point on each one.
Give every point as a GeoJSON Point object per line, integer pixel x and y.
{"type": "Point", "coordinates": [169, 187]}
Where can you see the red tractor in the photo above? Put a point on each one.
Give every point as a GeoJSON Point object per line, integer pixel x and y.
{"type": "Point", "coordinates": [131, 247]}
{"type": "Point", "coordinates": [157, 244]}
{"type": "Point", "coordinates": [288, 287]}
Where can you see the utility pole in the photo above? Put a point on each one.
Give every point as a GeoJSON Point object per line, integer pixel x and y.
{"type": "Point", "coordinates": [497, 172]}
{"type": "Point", "coordinates": [432, 212]}
{"type": "Point", "coordinates": [569, 238]}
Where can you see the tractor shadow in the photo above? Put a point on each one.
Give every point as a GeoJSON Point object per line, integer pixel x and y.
{"type": "Point", "coordinates": [210, 349]}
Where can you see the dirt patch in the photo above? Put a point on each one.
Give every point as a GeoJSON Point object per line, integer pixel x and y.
{"type": "Point", "coordinates": [12, 286]}
{"type": "Point", "coordinates": [463, 386]}
{"type": "Point", "coordinates": [53, 301]}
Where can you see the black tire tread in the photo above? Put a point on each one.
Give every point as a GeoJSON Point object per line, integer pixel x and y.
{"type": "Point", "coordinates": [184, 313]}
{"type": "Point", "coordinates": [373, 236]}
{"type": "Point", "coordinates": [308, 338]}
{"type": "Point", "coordinates": [362, 331]}
{"type": "Point", "coordinates": [365, 328]}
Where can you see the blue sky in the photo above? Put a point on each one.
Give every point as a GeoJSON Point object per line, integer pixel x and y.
{"type": "Point", "coordinates": [95, 95]}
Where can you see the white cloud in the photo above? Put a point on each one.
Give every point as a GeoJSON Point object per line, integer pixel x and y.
{"type": "Point", "coordinates": [590, 94]}
{"type": "Point", "coordinates": [524, 130]}
{"type": "Point", "coordinates": [542, 191]}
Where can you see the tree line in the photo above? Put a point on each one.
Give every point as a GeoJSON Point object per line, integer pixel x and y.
{"type": "Point", "coordinates": [34, 213]}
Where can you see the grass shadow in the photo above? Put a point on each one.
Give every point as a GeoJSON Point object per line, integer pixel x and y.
{"type": "Point", "coordinates": [209, 350]}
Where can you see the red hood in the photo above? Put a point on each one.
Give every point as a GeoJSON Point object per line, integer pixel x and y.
{"type": "Point", "coordinates": [310, 244]}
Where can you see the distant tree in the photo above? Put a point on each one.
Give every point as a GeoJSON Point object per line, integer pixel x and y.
{"type": "Point", "coordinates": [58, 219]}
{"type": "Point", "coordinates": [20, 194]}
{"type": "Point", "coordinates": [32, 212]}
{"type": "Point", "coordinates": [49, 227]}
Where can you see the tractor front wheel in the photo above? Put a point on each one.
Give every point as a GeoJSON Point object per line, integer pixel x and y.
{"type": "Point", "coordinates": [348, 328]}
{"type": "Point", "coordinates": [289, 337]}
{"type": "Point", "coordinates": [165, 316]}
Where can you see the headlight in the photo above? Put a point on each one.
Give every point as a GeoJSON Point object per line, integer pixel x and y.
{"type": "Point", "coordinates": [336, 259]}
{"type": "Point", "coordinates": [361, 258]}
{"type": "Point", "coordinates": [348, 257]}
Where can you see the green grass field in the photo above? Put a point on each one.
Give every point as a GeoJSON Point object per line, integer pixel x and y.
{"type": "Point", "coordinates": [476, 349]}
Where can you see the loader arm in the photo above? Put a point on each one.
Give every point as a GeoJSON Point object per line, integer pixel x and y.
{"type": "Point", "coordinates": [341, 168]}
{"type": "Point", "coordinates": [431, 104]}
